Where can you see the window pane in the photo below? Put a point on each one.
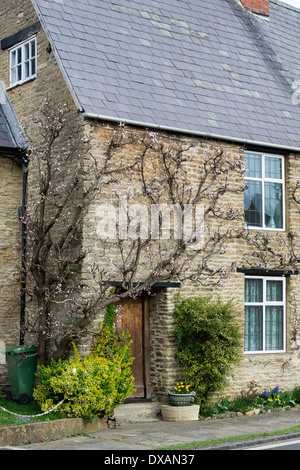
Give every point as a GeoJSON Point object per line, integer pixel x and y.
{"type": "Point", "coordinates": [19, 54]}
{"type": "Point", "coordinates": [254, 290]}
{"type": "Point", "coordinates": [253, 328]}
{"type": "Point", "coordinates": [32, 48]}
{"type": "Point", "coordinates": [26, 52]}
{"type": "Point", "coordinates": [273, 167]}
{"type": "Point", "coordinates": [33, 67]}
{"type": "Point", "coordinates": [274, 291]}
{"type": "Point", "coordinates": [253, 163]}
{"type": "Point", "coordinates": [274, 328]}
{"type": "Point", "coordinates": [253, 203]}
{"type": "Point", "coordinates": [273, 205]}
{"type": "Point", "coordinates": [19, 72]}
{"type": "Point", "coordinates": [26, 70]}
{"type": "Point", "coordinates": [13, 58]}
{"type": "Point", "coordinates": [13, 75]}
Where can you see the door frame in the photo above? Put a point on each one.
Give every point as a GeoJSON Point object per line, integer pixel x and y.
{"type": "Point", "coordinates": [146, 342]}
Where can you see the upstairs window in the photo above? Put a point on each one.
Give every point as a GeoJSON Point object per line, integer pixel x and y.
{"type": "Point", "coordinates": [264, 196]}
{"type": "Point", "coordinates": [23, 62]}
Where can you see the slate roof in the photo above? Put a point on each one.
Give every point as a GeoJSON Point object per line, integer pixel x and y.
{"type": "Point", "coordinates": [196, 65]}
{"type": "Point", "coordinates": [5, 139]}
{"type": "Point", "coordinates": [10, 135]}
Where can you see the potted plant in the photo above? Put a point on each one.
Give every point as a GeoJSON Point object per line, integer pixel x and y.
{"type": "Point", "coordinates": [182, 396]}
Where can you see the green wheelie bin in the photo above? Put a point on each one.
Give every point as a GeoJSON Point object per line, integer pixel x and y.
{"type": "Point", "coordinates": [21, 361]}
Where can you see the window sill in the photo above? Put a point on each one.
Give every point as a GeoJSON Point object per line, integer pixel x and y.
{"type": "Point", "coordinates": [249, 353]}
{"type": "Point", "coordinates": [268, 229]}
{"type": "Point", "coordinates": [30, 79]}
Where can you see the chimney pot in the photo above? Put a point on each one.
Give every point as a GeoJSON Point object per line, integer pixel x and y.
{"type": "Point", "coordinates": [256, 6]}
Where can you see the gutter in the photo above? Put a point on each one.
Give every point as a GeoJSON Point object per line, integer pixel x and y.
{"type": "Point", "coordinates": [190, 132]}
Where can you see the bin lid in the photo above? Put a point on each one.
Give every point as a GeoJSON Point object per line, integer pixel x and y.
{"type": "Point", "coordinates": [23, 349]}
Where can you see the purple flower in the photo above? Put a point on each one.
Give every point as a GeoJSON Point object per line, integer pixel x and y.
{"type": "Point", "coordinates": [265, 394]}
{"type": "Point", "coordinates": [276, 389]}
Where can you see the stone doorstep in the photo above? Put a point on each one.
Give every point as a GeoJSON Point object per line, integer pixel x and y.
{"type": "Point", "coordinates": [36, 432]}
{"type": "Point", "coordinates": [137, 412]}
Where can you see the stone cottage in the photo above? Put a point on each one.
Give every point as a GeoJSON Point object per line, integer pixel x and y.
{"type": "Point", "coordinates": [223, 73]}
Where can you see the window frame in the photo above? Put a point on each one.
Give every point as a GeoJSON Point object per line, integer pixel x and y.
{"type": "Point", "coordinates": [22, 63]}
{"type": "Point", "coordinates": [263, 180]}
{"type": "Point", "coordinates": [264, 304]}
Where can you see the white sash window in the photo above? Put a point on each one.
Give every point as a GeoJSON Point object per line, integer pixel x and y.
{"type": "Point", "coordinates": [264, 314]}
{"type": "Point", "coordinates": [23, 62]}
{"type": "Point", "coordinates": [264, 193]}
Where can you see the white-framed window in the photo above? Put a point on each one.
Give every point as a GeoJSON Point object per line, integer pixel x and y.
{"type": "Point", "coordinates": [264, 194]}
{"type": "Point", "coordinates": [265, 314]}
{"type": "Point", "coordinates": [23, 59]}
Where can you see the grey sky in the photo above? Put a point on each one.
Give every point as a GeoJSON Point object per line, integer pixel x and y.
{"type": "Point", "coordinates": [294, 3]}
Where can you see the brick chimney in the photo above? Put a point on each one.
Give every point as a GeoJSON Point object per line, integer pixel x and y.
{"type": "Point", "coordinates": [256, 6]}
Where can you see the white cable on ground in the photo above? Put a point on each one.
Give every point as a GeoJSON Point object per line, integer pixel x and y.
{"type": "Point", "coordinates": [33, 416]}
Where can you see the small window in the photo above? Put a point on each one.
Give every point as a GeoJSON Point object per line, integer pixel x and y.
{"type": "Point", "coordinates": [23, 62]}
{"type": "Point", "coordinates": [264, 314]}
{"type": "Point", "coordinates": [264, 193]}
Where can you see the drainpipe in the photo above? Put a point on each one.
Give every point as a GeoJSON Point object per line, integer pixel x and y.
{"type": "Point", "coordinates": [22, 216]}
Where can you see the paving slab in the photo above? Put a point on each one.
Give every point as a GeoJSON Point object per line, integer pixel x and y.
{"type": "Point", "coordinates": [151, 435]}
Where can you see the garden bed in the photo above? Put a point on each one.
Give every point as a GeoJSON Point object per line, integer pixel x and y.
{"type": "Point", "coordinates": [252, 403]}
{"type": "Point", "coordinates": [26, 413]}
{"type": "Point", "coordinates": [29, 428]}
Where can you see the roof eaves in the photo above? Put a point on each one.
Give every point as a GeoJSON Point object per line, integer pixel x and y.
{"type": "Point", "coordinates": [190, 132]}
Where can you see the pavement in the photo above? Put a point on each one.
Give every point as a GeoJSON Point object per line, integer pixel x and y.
{"type": "Point", "coordinates": [150, 435]}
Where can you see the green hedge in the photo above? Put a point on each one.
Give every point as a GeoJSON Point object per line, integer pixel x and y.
{"type": "Point", "coordinates": [209, 342]}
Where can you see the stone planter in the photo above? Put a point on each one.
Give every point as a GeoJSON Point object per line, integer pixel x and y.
{"type": "Point", "coordinates": [180, 413]}
{"type": "Point", "coordinates": [176, 399]}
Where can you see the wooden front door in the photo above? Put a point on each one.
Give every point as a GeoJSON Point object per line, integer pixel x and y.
{"type": "Point", "coordinates": [133, 317]}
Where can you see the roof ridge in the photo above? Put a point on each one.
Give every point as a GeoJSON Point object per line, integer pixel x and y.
{"type": "Point", "coordinates": [286, 5]}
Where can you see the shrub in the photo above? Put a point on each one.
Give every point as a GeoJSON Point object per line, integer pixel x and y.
{"type": "Point", "coordinates": [93, 385]}
{"type": "Point", "coordinates": [296, 394]}
{"type": "Point", "coordinates": [270, 399]}
{"type": "Point", "coordinates": [208, 342]}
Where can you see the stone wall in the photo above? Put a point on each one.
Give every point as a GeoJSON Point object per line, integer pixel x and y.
{"type": "Point", "coordinates": [10, 238]}
{"type": "Point", "coordinates": [268, 369]}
